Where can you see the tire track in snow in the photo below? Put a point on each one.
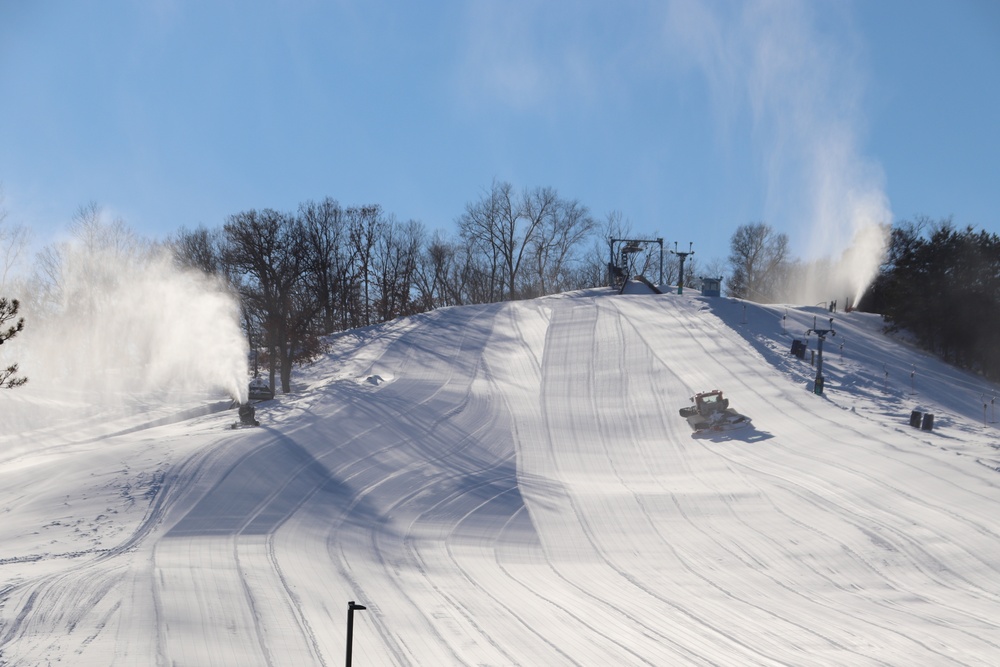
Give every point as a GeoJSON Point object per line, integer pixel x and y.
{"type": "Point", "coordinates": [297, 477]}
{"type": "Point", "coordinates": [411, 531]}
{"type": "Point", "coordinates": [825, 535]}
{"type": "Point", "coordinates": [303, 494]}
{"type": "Point", "coordinates": [859, 520]}
{"type": "Point", "coordinates": [924, 501]}
{"type": "Point", "coordinates": [462, 468]}
{"type": "Point", "coordinates": [496, 540]}
{"type": "Point", "coordinates": [630, 403]}
{"type": "Point", "coordinates": [452, 464]}
{"type": "Point", "coordinates": [45, 601]}
{"type": "Point", "coordinates": [682, 614]}
{"type": "Point", "coordinates": [454, 538]}
{"type": "Point", "coordinates": [536, 591]}
{"type": "Point", "coordinates": [742, 556]}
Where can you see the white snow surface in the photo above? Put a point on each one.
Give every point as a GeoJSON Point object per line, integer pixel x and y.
{"type": "Point", "coordinates": [512, 484]}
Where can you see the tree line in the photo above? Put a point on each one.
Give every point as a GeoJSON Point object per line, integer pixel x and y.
{"type": "Point", "coordinates": [942, 285]}
{"type": "Point", "coordinates": [326, 267]}
{"type": "Point", "coordinates": [938, 283]}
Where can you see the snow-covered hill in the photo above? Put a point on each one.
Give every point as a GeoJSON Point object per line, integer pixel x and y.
{"type": "Point", "coordinates": [511, 484]}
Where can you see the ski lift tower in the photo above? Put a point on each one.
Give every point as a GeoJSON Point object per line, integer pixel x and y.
{"type": "Point", "coordinates": [822, 334]}
{"type": "Point", "coordinates": [683, 256]}
{"type": "Point", "coordinates": [623, 250]}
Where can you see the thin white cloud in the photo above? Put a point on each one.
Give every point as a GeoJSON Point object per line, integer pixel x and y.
{"type": "Point", "coordinates": [528, 57]}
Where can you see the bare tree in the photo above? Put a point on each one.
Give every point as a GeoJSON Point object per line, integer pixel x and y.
{"type": "Point", "coordinates": [713, 268]}
{"type": "Point", "coordinates": [325, 225]}
{"type": "Point", "coordinates": [395, 267]}
{"type": "Point", "coordinates": [563, 227]}
{"type": "Point", "coordinates": [267, 249]}
{"type": "Point", "coordinates": [435, 282]}
{"type": "Point", "coordinates": [475, 280]}
{"type": "Point", "coordinates": [365, 224]}
{"type": "Point", "coordinates": [758, 258]}
{"type": "Point", "coordinates": [198, 249]}
{"type": "Point", "coordinates": [483, 229]}
{"type": "Point", "coordinates": [521, 245]}
{"type": "Point", "coordinates": [79, 278]}
{"type": "Point", "coordinates": [538, 210]}
{"type": "Point", "coordinates": [13, 241]}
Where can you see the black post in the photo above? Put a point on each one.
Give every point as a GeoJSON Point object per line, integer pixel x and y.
{"type": "Point", "coordinates": [611, 262]}
{"type": "Point", "coordinates": [660, 241]}
{"type": "Point", "coordinates": [683, 256]}
{"type": "Point", "coordinates": [350, 628]}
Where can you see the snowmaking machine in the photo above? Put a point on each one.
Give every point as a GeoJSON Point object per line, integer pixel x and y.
{"type": "Point", "coordinates": [257, 391]}
{"type": "Point", "coordinates": [248, 416]}
{"type": "Point", "coordinates": [711, 412]}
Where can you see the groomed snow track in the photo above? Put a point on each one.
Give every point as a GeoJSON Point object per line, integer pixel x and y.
{"type": "Point", "coordinates": [519, 490]}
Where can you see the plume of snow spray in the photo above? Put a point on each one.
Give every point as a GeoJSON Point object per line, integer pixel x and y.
{"type": "Point", "coordinates": [803, 90]}
{"type": "Point", "coordinates": [115, 322]}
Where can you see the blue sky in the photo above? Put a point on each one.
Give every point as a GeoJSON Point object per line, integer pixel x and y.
{"type": "Point", "coordinates": [690, 118]}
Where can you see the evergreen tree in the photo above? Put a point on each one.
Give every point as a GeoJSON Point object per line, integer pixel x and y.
{"type": "Point", "coordinates": [8, 311]}
{"type": "Point", "coordinates": [943, 286]}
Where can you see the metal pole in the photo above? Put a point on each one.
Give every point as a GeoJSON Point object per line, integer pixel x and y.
{"type": "Point", "coordinates": [683, 256]}
{"type": "Point", "coordinates": [821, 334]}
{"type": "Point", "coordinates": [350, 628]}
{"type": "Point", "coordinates": [660, 241]}
{"type": "Point", "coordinates": [818, 382]}
{"type": "Point", "coordinates": [611, 262]}
{"type": "Point", "coordinates": [819, 357]}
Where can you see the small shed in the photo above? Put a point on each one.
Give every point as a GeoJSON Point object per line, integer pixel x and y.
{"type": "Point", "coordinates": [711, 286]}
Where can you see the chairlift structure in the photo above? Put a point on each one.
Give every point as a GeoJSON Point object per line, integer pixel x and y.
{"type": "Point", "coordinates": [621, 264]}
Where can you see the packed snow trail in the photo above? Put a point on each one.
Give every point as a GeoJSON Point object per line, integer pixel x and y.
{"type": "Point", "coordinates": [511, 484]}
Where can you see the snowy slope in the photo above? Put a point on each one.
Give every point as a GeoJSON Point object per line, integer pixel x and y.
{"type": "Point", "coordinates": [511, 484]}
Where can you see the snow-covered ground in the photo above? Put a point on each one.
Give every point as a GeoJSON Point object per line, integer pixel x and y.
{"type": "Point", "coordinates": [511, 484]}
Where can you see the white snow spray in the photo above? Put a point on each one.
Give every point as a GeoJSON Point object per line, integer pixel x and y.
{"type": "Point", "coordinates": [113, 323]}
{"type": "Point", "coordinates": [802, 84]}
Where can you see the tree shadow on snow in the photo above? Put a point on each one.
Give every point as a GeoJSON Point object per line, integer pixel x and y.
{"type": "Point", "coordinates": [267, 485]}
